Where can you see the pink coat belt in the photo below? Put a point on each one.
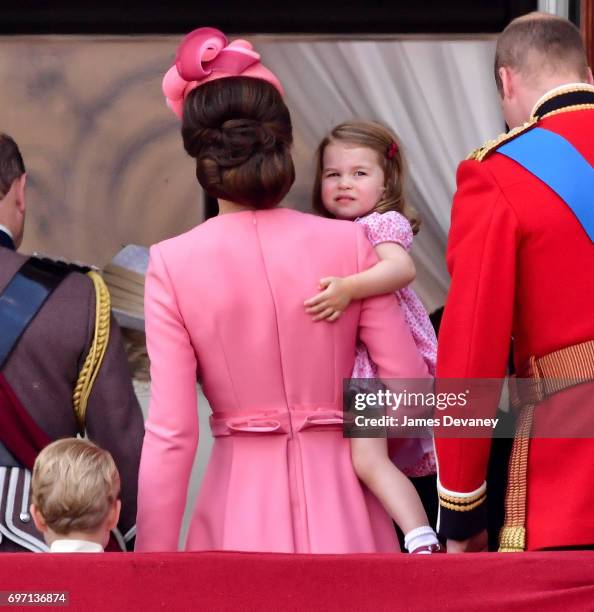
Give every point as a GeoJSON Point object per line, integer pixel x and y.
{"type": "Point", "coordinates": [275, 421]}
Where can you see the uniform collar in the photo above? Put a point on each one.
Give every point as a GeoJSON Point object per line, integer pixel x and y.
{"type": "Point", "coordinates": [68, 546]}
{"type": "Point", "coordinates": [572, 96]}
{"type": "Point", "coordinates": [6, 238]}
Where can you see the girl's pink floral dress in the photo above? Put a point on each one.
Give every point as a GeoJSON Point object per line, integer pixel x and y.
{"type": "Point", "coordinates": [414, 456]}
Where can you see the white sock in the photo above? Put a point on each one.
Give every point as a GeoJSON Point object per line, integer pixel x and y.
{"type": "Point", "coordinates": [421, 536]}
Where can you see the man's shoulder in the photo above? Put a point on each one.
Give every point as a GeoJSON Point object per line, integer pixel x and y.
{"type": "Point", "coordinates": [484, 152]}
{"type": "Point", "coordinates": [10, 262]}
{"type": "Point", "coordinates": [13, 261]}
{"type": "Point", "coordinates": [13, 258]}
{"type": "Point", "coordinates": [73, 275]}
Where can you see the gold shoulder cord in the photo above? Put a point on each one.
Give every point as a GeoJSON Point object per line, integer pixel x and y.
{"type": "Point", "coordinates": [94, 359]}
{"type": "Point", "coordinates": [491, 145]}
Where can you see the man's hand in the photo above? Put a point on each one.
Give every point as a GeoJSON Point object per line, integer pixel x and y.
{"type": "Point", "coordinates": [331, 302]}
{"type": "Point", "coordinates": [476, 543]}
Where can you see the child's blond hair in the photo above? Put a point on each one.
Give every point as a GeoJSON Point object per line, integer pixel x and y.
{"type": "Point", "coordinates": [74, 485]}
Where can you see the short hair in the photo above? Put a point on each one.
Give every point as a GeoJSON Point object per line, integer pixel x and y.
{"type": "Point", "coordinates": [12, 166]}
{"type": "Point", "coordinates": [540, 43]}
{"type": "Point", "coordinates": [379, 138]}
{"type": "Point", "coordinates": [74, 485]}
{"type": "Point", "coordinates": [239, 131]}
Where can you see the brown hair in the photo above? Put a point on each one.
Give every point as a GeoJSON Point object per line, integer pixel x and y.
{"type": "Point", "coordinates": [239, 130]}
{"type": "Point", "coordinates": [12, 166]}
{"type": "Point", "coordinates": [135, 347]}
{"type": "Point", "coordinates": [74, 485]}
{"type": "Point", "coordinates": [380, 139]}
{"type": "Point", "coordinates": [538, 43]}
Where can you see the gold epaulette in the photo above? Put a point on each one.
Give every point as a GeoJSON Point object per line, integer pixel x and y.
{"type": "Point", "coordinates": [94, 359]}
{"type": "Point", "coordinates": [73, 266]}
{"type": "Point", "coordinates": [491, 145]}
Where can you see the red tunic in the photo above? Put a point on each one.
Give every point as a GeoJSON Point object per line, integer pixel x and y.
{"type": "Point", "coordinates": [521, 266]}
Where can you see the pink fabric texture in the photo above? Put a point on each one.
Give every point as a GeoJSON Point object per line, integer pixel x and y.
{"type": "Point", "coordinates": [415, 457]}
{"type": "Point", "coordinates": [224, 303]}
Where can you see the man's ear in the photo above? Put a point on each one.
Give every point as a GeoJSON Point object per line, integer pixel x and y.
{"type": "Point", "coordinates": [506, 82]}
{"type": "Point", "coordinates": [20, 192]}
{"type": "Point", "coordinates": [38, 519]}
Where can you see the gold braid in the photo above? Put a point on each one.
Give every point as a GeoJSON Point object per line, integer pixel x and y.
{"type": "Point", "coordinates": [512, 537]}
{"type": "Point", "coordinates": [513, 534]}
{"type": "Point", "coordinates": [94, 359]}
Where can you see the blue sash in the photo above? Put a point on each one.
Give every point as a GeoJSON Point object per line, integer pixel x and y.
{"type": "Point", "coordinates": [558, 164]}
{"type": "Point", "coordinates": [23, 297]}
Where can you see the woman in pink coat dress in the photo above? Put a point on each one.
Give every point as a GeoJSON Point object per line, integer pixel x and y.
{"type": "Point", "coordinates": [224, 306]}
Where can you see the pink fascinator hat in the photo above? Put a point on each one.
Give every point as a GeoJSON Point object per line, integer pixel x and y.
{"type": "Point", "coordinates": [205, 55]}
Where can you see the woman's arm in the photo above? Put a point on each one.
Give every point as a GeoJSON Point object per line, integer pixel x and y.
{"type": "Point", "coordinates": [171, 434]}
{"type": "Point", "coordinates": [394, 271]}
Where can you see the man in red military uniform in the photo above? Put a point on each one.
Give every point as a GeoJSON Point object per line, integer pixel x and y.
{"type": "Point", "coordinates": [522, 266]}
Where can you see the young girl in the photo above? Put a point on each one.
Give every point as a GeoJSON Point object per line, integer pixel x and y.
{"type": "Point", "coordinates": [359, 177]}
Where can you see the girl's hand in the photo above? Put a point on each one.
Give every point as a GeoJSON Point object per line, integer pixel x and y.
{"type": "Point", "coordinates": [330, 303]}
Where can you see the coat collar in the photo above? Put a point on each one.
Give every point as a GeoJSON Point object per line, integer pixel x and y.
{"type": "Point", "coordinates": [6, 239]}
{"type": "Point", "coordinates": [574, 96]}
{"type": "Point", "coordinates": [75, 546]}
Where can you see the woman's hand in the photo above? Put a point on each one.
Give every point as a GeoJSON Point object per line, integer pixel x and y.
{"type": "Point", "coordinates": [332, 301]}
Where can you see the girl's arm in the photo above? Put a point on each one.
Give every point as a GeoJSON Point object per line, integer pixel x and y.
{"type": "Point", "coordinates": [394, 271]}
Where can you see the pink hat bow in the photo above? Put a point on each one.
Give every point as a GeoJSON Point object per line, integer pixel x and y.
{"type": "Point", "coordinates": [205, 55]}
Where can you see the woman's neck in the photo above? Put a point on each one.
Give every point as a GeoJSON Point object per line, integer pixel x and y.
{"type": "Point", "coordinates": [226, 207]}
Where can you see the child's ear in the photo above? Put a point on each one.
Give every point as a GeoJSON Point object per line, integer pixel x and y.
{"type": "Point", "coordinates": [114, 514]}
{"type": "Point", "coordinates": [38, 519]}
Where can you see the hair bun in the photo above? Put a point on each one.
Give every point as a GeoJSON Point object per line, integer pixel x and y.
{"type": "Point", "coordinates": [239, 131]}
{"type": "Point", "coordinates": [203, 139]}
{"type": "Point", "coordinates": [235, 141]}
{"type": "Point", "coordinates": [249, 133]}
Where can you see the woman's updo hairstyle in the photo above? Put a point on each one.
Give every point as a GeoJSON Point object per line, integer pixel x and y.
{"type": "Point", "coordinates": [239, 131]}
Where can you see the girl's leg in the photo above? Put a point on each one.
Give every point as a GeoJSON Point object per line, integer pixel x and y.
{"type": "Point", "coordinates": [394, 490]}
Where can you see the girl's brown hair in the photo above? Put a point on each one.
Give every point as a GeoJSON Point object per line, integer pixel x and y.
{"type": "Point", "coordinates": [384, 142]}
{"type": "Point", "coordinates": [239, 131]}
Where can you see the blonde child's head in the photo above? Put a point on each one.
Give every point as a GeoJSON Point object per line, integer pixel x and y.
{"type": "Point", "coordinates": [75, 490]}
{"type": "Point", "coordinates": [360, 169]}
